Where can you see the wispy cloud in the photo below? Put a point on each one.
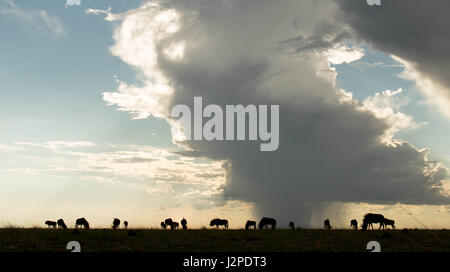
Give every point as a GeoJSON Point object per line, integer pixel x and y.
{"type": "Point", "coordinates": [57, 145]}
{"type": "Point", "coordinates": [38, 19]}
{"type": "Point", "coordinates": [156, 171]}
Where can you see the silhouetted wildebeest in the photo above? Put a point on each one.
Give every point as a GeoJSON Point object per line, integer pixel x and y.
{"type": "Point", "coordinates": [354, 224]}
{"type": "Point", "coordinates": [116, 223]}
{"type": "Point", "coordinates": [61, 224]}
{"type": "Point", "coordinates": [266, 222]}
{"type": "Point", "coordinates": [184, 223]}
{"type": "Point", "coordinates": [163, 225]}
{"type": "Point", "coordinates": [125, 224]}
{"type": "Point", "coordinates": [168, 222]}
{"type": "Point", "coordinates": [50, 223]}
{"type": "Point", "coordinates": [327, 224]}
{"type": "Point", "coordinates": [174, 225]}
{"type": "Point", "coordinates": [250, 224]}
{"type": "Point", "coordinates": [388, 222]}
{"type": "Point", "coordinates": [291, 225]}
{"type": "Point", "coordinates": [219, 222]}
{"type": "Point", "coordinates": [82, 222]}
{"type": "Point", "coordinates": [371, 218]}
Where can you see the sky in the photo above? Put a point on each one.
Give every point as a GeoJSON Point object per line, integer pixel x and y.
{"type": "Point", "coordinates": [88, 86]}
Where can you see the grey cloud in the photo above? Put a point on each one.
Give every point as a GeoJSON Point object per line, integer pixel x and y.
{"type": "Point", "coordinates": [326, 36]}
{"type": "Point", "coordinates": [414, 30]}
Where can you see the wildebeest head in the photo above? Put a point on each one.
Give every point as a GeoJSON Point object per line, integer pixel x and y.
{"type": "Point", "coordinates": [214, 222]}
{"type": "Point", "coordinates": [61, 223]}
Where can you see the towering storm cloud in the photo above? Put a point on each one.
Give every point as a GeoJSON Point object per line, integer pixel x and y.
{"type": "Point", "coordinates": [331, 148]}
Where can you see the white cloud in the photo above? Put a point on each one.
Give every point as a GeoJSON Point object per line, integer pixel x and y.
{"type": "Point", "coordinates": [98, 11]}
{"type": "Point", "coordinates": [73, 3]}
{"type": "Point", "coordinates": [387, 106]}
{"type": "Point", "coordinates": [341, 53]}
{"type": "Point", "coordinates": [38, 19]}
{"type": "Point", "coordinates": [153, 96]}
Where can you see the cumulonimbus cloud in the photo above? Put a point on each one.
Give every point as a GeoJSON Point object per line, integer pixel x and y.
{"type": "Point", "coordinates": [330, 148]}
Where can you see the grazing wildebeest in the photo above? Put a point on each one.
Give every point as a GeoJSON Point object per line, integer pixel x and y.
{"type": "Point", "coordinates": [371, 218]}
{"type": "Point", "coordinates": [61, 224]}
{"type": "Point", "coordinates": [82, 222]}
{"type": "Point", "coordinates": [250, 224]}
{"type": "Point", "coordinates": [50, 223]}
{"type": "Point", "coordinates": [219, 222]}
{"type": "Point", "coordinates": [265, 222]}
{"type": "Point", "coordinates": [116, 223]}
{"type": "Point", "coordinates": [163, 225]}
{"type": "Point", "coordinates": [125, 224]}
{"type": "Point", "coordinates": [184, 223]}
{"type": "Point", "coordinates": [354, 224]}
{"type": "Point", "coordinates": [327, 224]}
{"type": "Point", "coordinates": [170, 223]}
{"type": "Point", "coordinates": [291, 225]}
{"type": "Point", "coordinates": [388, 222]}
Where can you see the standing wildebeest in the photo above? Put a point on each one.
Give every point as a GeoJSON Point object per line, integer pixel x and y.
{"type": "Point", "coordinates": [388, 222]}
{"type": "Point", "coordinates": [184, 223]}
{"type": "Point", "coordinates": [354, 224]}
{"type": "Point", "coordinates": [61, 224]}
{"type": "Point", "coordinates": [82, 222]}
{"type": "Point", "coordinates": [163, 225]}
{"type": "Point", "coordinates": [371, 218]}
{"type": "Point", "coordinates": [327, 224]}
{"type": "Point", "coordinates": [50, 223]}
{"type": "Point", "coordinates": [265, 222]}
{"type": "Point", "coordinates": [116, 223]}
{"type": "Point", "coordinates": [291, 225]}
{"type": "Point", "coordinates": [219, 222]}
{"type": "Point", "coordinates": [125, 224]}
{"type": "Point", "coordinates": [250, 224]}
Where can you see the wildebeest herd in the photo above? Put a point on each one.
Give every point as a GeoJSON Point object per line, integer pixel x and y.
{"type": "Point", "coordinates": [265, 223]}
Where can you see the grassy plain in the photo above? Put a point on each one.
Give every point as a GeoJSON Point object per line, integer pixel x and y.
{"type": "Point", "coordinates": [211, 240]}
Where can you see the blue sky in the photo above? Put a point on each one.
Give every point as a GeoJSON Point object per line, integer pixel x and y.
{"type": "Point", "coordinates": [61, 143]}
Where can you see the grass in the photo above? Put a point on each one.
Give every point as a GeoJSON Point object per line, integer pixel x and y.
{"type": "Point", "coordinates": [211, 240]}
